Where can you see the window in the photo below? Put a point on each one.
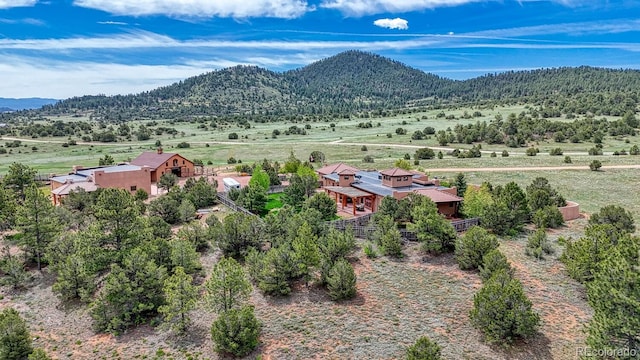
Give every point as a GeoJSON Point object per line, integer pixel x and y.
{"type": "Point", "coordinates": [182, 162]}
{"type": "Point", "coordinates": [134, 188]}
{"type": "Point", "coordinates": [166, 164]}
{"type": "Point", "coordinates": [346, 177]}
{"type": "Point", "coordinates": [175, 162]}
{"type": "Point", "coordinates": [405, 178]}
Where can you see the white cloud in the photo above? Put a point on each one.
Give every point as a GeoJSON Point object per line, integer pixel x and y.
{"type": "Point", "coordinates": [397, 23]}
{"type": "Point", "coordinates": [112, 23]}
{"type": "Point", "coordinates": [27, 21]}
{"type": "Point", "coordinates": [370, 7]}
{"type": "Point", "coordinates": [5, 4]}
{"type": "Point", "coordinates": [201, 8]}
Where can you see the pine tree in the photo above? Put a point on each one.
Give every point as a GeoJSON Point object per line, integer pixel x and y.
{"type": "Point", "coordinates": [15, 340]}
{"type": "Point", "coordinates": [502, 311]}
{"type": "Point", "coordinates": [39, 354]}
{"type": "Point", "coordinates": [460, 183]}
{"type": "Point", "coordinates": [180, 296]}
{"type": "Point", "coordinates": [305, 246]}
{"type": "Point", "coordinates": [341, 281]}
{"type": "Point", "coordinates": [228, 287]}
{"type": "Point", "coordinates": [432, 229]}
{"type": "Point", "coordinates": [36, 223]}
{"type": "Point", "coordinates": [186, 211]}
{"type": "Point", "coordinates": [236, 331]}
{"type": "Point", "coordinates": [74, 279]}
{"type": "Point", "coordinates": [391, 242]}
{"type": "Point", "coordinates": [184, 255]}
{"type": "Point", "coordinates": [118, 217]}
{"type": "Point", "coordinates": [614, 296]}
{"type": "Point", "coordinates": [472, 247]}
{"type": "Point", "coordinates": [492, 262]}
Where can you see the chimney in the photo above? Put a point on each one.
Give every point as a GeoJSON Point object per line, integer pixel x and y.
{"type": "Point", "coordinates": [159, 150]}
{"type": "Point", "coordinates": [76, 168]}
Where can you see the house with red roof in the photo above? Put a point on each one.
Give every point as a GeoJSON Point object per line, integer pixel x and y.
{"type": "Point", "coordinates": [160, 163]}
{"type": "Point", "coordinates": [365, 189]}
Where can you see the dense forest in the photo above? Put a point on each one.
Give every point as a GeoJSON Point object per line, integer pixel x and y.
{"type": "Point", "coordinates": [355, 82]}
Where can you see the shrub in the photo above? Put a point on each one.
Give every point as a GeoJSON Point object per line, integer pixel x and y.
{"type": "Point", "coordinates": [15, 341]}
{"type": "Point", "coordinates": [492, 262]}
{"type": "Point", "coordinates": [505, 153]}
{"type": "Point", "coordinates": [429, 130]}
{"type": "Point", "coordinates": [363, 148]}
{"type": "Point", "coordinates": [368, 159]}
{"type": "Point", "coordinates": [417, 135]}
{"type": "Point", "coordinates": [341, 281]}
{"type": "Point", "coordinates": [183, 145]}
{"type": "Point", "coordinates": [595, 151]}
{"type": "Point", "coordinates": [548, 217]}
{"type": "Point", "coordinates": [532, 151]}
{"type": "Point", "coordinates": [407, 156]}
{"type": "Point", "coordinates": [538, 245]}
{"type": "Point", "coordinates": [493, 154]}
{"type": "Point", "coordinates": [231, 160]}
{"type": "Point", "coordinates": [502, 311]}
{"type": "Point", "coordinates": [391, 242]}
{"type": "Point", "coordinates": [424, 349]}
{"type": "Point", "coordinates": [236, 331]}
{"type": "Point", "coordinates": [370, 251]}
{"type": "Point", "coordinates": [401, 131]}
{"type": "Point", "coordinates": [614, 215]}
{"type": "Point", "coordinates": [424, 153]}
{"type": "Point", "coordinates": [634, 150]}
{"type": "Point", "coordinates": [472, 246]}
{"type": "Point", "coordinates": [555, 152]}
{"type": "Point", "coordinates": [595, 165]}
{"type": "Point", "coordinates": [234, 136]}
{"type": "Point", "coordinates": [567, 159]}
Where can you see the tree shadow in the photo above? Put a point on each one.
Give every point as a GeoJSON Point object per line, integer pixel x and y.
{"type": "Point", "coordinates": [537, 347]}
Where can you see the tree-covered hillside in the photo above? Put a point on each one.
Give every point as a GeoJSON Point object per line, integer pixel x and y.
{"type": "Point", "coordinates": [355, 82]}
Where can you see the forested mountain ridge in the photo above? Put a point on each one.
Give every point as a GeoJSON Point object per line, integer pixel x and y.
{"type": "Point", "coordinates": [355, 81]}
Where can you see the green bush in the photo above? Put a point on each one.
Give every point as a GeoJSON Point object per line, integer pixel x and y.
{"type": "Point", "coordinates": [538, 245]}
{"type": "Point", "coordinates": [532, 151]}
{"type": "Point", "coordinates": [370, 251]}
{"type": "Point", "coordinates": [502, 311]}
{"type": "Point", "coordinates": [505, 153]}
{"type": "Point", "coordinates": [472, 246]}
{"type": "Point", "coordinates": [492, 262]}
{"type": "Point", "coordinates": [15, 341]}
{"type": "Point", "coordinates": [183, 145]}
{"type": "Point", "coordinates": [567, 159]}
{"type": "Point", "coordinates": [595, 165]}
{"type": "Point", "coordinates": [341, 281]}
{"type": "Point", "coordinates": [424, 349]}
{"type": "Point", "coordinates": [548, 217]}
{"type": "Point", "coordinates": [236, 332]}
{"type": "Point", "coordinates": [556, 152]}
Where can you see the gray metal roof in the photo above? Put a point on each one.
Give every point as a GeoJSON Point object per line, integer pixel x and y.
{"type": "Point", "coordinates": [109, 169]}
{"type": "Point", "coordinates": [371, 181]}
{"type": "Point", "coordinates": [72, 178]}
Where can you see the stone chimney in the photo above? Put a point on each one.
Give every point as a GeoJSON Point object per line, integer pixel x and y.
{"type": "Point", "coordinates": [159, 150]}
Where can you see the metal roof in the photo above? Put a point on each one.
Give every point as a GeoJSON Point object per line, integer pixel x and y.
{"type": "Point", "coordinates": [348, 191]}
{"type": "Point", "coordinates": [69, 178]}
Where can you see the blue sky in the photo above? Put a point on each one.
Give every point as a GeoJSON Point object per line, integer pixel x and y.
{"type": "Point", "coordinates": [64, 48]}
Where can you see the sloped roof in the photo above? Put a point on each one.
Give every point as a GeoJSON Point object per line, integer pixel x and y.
{"type": "Point", "coordinates": [438, 196]}
{"type": "Point", "coordinates": [396, 172]}
{"type": "Point", "coordinates": [67, 188]}
{"type": "Point", "coordinates": [72, 178]}
{"type": "Point", "coordinates": [348, 191]}
{"type": "Point", "coordinates": [347, 172]}
{"type": "Point", "coordinates": [335, 168]}
{"type": "Point", "coordinates": [152, 159]}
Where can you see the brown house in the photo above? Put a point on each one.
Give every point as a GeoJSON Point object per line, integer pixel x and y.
{"type": "Point", "coordinates": [128, 177]}
{"type": "Point", "coordinates": [160, 163]}
{"type": "Point", "coordinates": [366, 189]}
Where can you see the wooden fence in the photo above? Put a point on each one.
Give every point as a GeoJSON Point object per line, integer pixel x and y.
{"type": "Point", "coordinates": [224, 198]}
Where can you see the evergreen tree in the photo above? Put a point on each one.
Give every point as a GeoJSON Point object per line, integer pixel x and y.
{"type": "Point", "coordinates": [492, 262]}
{"type": "Point", "coordinates": [617, 216]}
{"type": "Point", "coordinates": [13, 268]}
{"type": "Point", "coordinates": [460, 182]}
{"type": "Point", "coordinates": [8, 206]}
{"type": "Point", "coordinates": [184, 256]}
{"type": "Point", "coordinates": [324, 204]}
{"type": "Point", "coordinates": [36, 223]}
{"type": "Point", "coordinates": [305, 247]}
{"type": "Point", "coordinates": [74, 279]}
{"type": "Point", "coordinates": [279, 267]}
{"type": "Point", "coordinates": [167, 181]}
{"type": "Point", "coordinates": [581, 257]}
{"type": "Point", "coordinates": [341, 281]}
{"type": "Point", "coordinates": [432, 229]}
{"type": "Point", "coordinates": [15, 340]}
{"type": "Point", "coordinates": [18, 178]}
{"type": "Point", "coordinates": [424, 349]}
{"type": "Point", "coordinates": [180, 296]}
{"type": "Point", "coordinates": [186, 211]}
{"type": "Point", "coordinates": [228, 287]}
{"type": "Point", "coordinates": [39, 354]}
{"type": "Point", "coordinates": [239, 233]}
{"type": "Point", "coordinates": [614, 296]}
{"type": "Point", "coordinates": [473, 246]}
{"type": "Point", "coordinates": [118, 217]}
{"type": "Point", "coordinates": [390, 242]}
{"type": "Point", "coordinates": [502, 311]}
{"type": "Point", "coordinates": [236, 331]}
{"type": "Point", "coordinates": [196, 234]}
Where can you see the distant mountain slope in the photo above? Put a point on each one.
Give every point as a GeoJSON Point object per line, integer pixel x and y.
{"type": "Point", "coordinates": [355, 81]}
{"type": "Point", "coordinates": [25, 103]}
